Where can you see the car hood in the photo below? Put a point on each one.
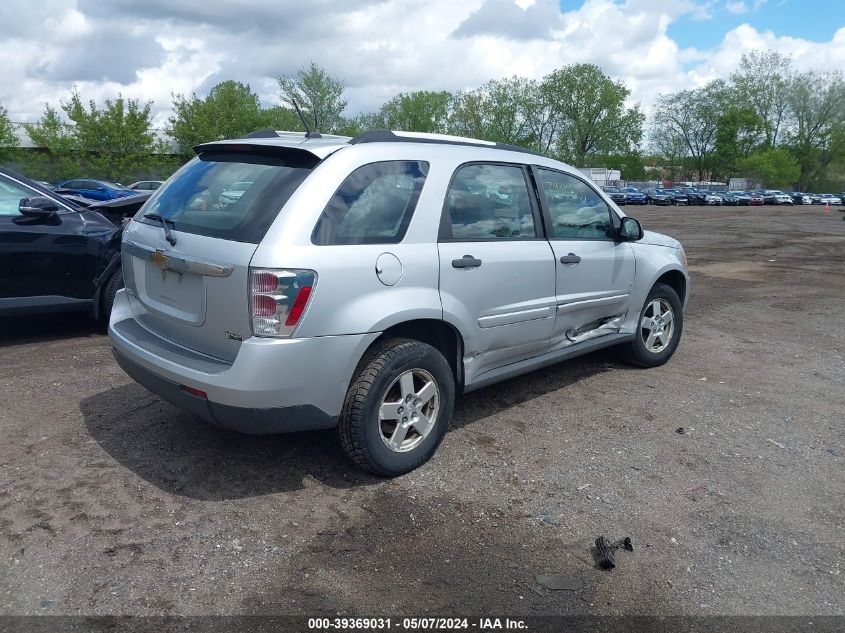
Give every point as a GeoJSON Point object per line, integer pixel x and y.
{"type": "Point", "coordinates": [658, 239]}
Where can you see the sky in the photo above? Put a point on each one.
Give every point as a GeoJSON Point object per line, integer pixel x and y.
{"type": "Point", "coordinates": [150, 49]}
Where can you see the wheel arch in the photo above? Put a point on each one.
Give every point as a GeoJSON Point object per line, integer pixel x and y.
{"type": "Point", "coordinates": [676, 280]}
{"type": "Point", "coordinates": [442, 336]}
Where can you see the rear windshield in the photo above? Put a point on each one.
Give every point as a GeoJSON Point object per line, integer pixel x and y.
{"type": "Point", "coordinates": [229, 195]}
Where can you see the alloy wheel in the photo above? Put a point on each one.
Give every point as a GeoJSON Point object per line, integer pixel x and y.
{"type": "Point", "coordinates": [657, 325]}
{"type": "Point", "coordinates": [408, 410]}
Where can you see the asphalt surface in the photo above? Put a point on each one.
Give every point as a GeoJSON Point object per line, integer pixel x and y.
{"type": "Point", "coordinates": [114, 502]}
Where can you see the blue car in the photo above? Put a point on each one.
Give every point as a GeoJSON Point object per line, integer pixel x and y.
{"type": "Point", "coordinates": [634, 196]}
{"type": "Point", "coordinates": [95, 189]}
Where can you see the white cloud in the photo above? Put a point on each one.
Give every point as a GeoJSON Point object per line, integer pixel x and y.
{"type": "Point", "coordinates": [379, 47]}
{"type": "Point", "coordinates": [737, 8]}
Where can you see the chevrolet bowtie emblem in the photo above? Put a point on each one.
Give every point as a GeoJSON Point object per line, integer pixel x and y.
{"type": "Point", "coordinates": [160, 259]}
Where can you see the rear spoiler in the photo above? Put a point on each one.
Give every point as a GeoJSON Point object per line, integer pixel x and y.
{"type": "Point", "coordinates": [299, 149]}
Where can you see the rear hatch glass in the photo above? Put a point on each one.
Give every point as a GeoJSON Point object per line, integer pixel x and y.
{"type": "Point", "coordinates": [229, 195]}
{"type": "Point", "coordinates": [195, 292]}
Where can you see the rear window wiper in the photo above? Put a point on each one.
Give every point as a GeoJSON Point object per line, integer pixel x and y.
{"type": "Point", "coordinates": [165, 222]}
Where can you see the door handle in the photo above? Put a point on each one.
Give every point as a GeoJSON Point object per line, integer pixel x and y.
{"type": "Point", "coordinates": [467, 261]}
{"type": "Point", "coordinates": [572, 258]}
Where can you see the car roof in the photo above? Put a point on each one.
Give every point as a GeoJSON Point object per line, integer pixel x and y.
{"type": "Point", "coordinates": [322, 145]}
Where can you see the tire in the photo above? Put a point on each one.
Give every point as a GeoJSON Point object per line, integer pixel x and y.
{"type": "Point", "coordinates": [638, 351]}
{"type": "Point", "coordinates": [369, 439]}
{"type": "Point", "coordinates": [110, 288]}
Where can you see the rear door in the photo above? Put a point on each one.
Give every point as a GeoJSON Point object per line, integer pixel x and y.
{"type": "Point", "coordinates": [594, 273]}
{"type": "Point", "coordinates": [497, 271]}
{"type": "Point", "coordinates": [195, 292]}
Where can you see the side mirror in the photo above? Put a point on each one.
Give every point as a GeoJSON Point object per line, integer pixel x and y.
{"type": "Point", "coordinates": [630, 230]}
{"type": "Point", "coordinates": [39, 207]}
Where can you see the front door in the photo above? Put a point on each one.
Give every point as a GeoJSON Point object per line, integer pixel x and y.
{"type": "Point", "coordinates": [497, 272]}
{"type": "Point", "coordinates": [42, 261]}
{"type": "Point", "coordinates": [595, 273]}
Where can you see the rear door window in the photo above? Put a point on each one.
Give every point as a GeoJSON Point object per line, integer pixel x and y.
{"type": "Point", "coordinates": [374, 205]}
{"type": "Point", "coordinates": [488, 202]}
{"type": "Point", "coordinates": [228, 195]}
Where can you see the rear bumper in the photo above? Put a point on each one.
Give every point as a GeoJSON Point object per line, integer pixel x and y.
{"type": "Point", "coordinates": [273, 386]}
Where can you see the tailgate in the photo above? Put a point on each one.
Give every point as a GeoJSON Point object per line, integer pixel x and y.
{"type": "Point", "coordinates": [183, 295]}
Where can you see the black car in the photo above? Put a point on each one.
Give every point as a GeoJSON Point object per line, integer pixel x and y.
{"type": "Point", "coordinates": [657, 196]}
{"type": "Point", "coordinates": [728, 198]}
{"type": "Point", "coordinates": [677, 197]}
{"type": "Point", "coordinates": [615, 194]}
{"type": "Point", "coordinates": [768, 196]}
{"type": "Point", "coordinates": [55, 256]}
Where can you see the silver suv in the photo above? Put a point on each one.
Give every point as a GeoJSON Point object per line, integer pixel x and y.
{"type": "Point", "coordinates": [363, 283]}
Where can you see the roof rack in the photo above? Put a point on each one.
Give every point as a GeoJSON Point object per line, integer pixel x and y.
{"type": "Point", "coordinates": [389, 136]}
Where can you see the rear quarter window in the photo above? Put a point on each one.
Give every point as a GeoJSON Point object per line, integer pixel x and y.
{"type": "Point", "coordinates": [373, 205]}
{"type": "Point", "coordinates": [228, 195]}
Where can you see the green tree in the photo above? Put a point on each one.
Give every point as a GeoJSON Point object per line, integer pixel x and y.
{"type": "Point", "coordinates": [318, 94]}
{"type": "Point", "coordinates": [8, 138]}
{"type": "Point", "coordinates": [364, 122]}
{"type": "Point", "coordinates": [762, 83]}
{"type": "Point", "coordinates": [670, 152]}
{"type": "Point", "coordinates": [493, 112]}
{"type": "Point", "coordinates": [737, 132]}
{"type": "Point", "coordinates": [776, 167]}
{"type": "Point", "coordinates": [817, 106]}
{"type": "Point", "coordinates": [690, 117]}
{"type": "Point", "coordinates": [591, 112]}
{"type": "Point", "coordinates": [60, 154]}
{"type": "Point", "coordinates": [420, 111]}
{"type": "Point", "coordinates": [541, 117]}
{"type": "Point", "coordinates": [230, 110]}
{"type": "Point", "coordinates": [118, 139]}
{"type": "Point", "coordinates": [631, 165]}
{"type": "Point", "coordinates": [280, 118]}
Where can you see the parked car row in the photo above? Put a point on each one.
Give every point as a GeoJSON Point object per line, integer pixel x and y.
{"type": "Point", "coordinates": [85, 190]}
{"type": "Point", "coordinates": [693, 196]}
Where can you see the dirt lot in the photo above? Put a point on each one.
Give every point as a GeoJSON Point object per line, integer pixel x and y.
{"type": "Point", "coordinates": [114, 502]}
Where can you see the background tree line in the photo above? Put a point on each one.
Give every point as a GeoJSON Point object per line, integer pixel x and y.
{"type": "Point", "coordinates": [766, 121]}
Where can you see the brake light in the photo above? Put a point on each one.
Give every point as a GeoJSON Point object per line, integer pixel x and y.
{"type": "Point", "coordinates": [278, 299]}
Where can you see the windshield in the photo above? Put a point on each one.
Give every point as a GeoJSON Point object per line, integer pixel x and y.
{"type": "Point", "coordinates": [612, 189]}
{"type": "Point", "coordinates": [230, 195]}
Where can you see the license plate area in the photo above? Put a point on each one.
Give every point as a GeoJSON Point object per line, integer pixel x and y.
{"type": "Point", "coordinates": [177, 295]}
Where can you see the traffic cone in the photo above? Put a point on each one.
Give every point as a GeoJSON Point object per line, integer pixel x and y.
{"type": "Point", "coordinates": [826, 207]}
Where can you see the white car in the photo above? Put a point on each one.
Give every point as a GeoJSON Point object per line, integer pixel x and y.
{"type": "Point", "coordinates": [829, 198]}
{"type": "Point", "coordinates": [782, 198]}
{"type": "Point", "coordinates": [146, 185]}
{"type": "Point", "coordinates": [361, 284]}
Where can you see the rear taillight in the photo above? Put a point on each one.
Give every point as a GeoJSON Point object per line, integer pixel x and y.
{"type": "Point", "coordinates": [278, 299]}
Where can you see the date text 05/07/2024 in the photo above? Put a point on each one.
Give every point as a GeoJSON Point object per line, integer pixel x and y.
{"type": "Point", "coordinates": [416, 624]}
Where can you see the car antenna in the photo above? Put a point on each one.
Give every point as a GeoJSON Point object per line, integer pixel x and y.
{"type": "Point", "coordinates": [308, 133]}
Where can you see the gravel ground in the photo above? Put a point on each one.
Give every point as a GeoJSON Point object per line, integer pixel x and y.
{"type": "Point", "coordinates": [114, 502]}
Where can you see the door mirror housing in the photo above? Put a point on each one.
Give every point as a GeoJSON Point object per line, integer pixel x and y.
{"type": "Point", "coordinates": [39, 208]}
{"type": "Point", "coordinates": [630, 230]}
